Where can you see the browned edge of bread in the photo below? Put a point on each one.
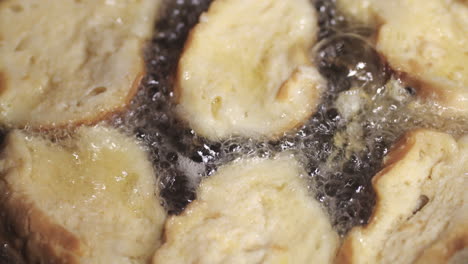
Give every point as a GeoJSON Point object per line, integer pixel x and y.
{"type": "Point", "coordinates": [426, 91]}
{"type": "Point", "coordinates": [398, 152]}
{"type": "Point", "coordinates": [440, 250]}
{"type": "Point", "coordinates": [30, 234]}
{"type": "Point", "coordinates": [97, 118]}
{"type": "Point", "coordinates": [3, 81]}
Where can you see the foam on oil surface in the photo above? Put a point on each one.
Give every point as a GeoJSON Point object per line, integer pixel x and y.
{"type": "Point", "coordinates": [364, 110]}
{"type": "Point", "coordinates": [174, 148]}
{"type": "Point", "coordinates": [341, 146]}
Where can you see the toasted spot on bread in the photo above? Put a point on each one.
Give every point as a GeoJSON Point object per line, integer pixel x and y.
{"type": "Point", "coordinates": [58, 53]}
{"type": "Point", "coordinates": [421, 204]}
{"type": "Point", "coordinates": [251, 211]}
{"type": "Point", "coordinates": [246, 69]}
{"type": "Point", "coordinates": [88, 198]}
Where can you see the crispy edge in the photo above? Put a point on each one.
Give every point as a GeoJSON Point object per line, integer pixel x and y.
{"type": "Point", "coordinates": [29, 232]}
{"type": "Point", "coordinates": [3, 81]}
{"type": "Point", "coordinates": [426, 91]}
{"type": "Point", "coordinates": [397, 153]}
{"type": "Point", "coordinates": [32, 235]}
{"type": "Point", "coordinates": [99, 116]}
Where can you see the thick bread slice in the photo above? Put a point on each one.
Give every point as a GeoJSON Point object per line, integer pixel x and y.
{"type": "Point", "coordinates": [421, 204]}
{"type": "Point", "coordinates": [428, 41]}
{"type": "Point", "coordinates": [251, 211]}
{"type": "Point", "coordinates": [246, 69]}
{"type": "Point", "coordinates": [68, 62]}
{"type": "Point", "coordinates": [89, 199]}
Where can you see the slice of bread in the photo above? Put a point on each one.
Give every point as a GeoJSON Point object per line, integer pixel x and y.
{"type": "Point", "coordinates": [427, 40]}
{"type": "Point", "coordinates": [85, 199]}
{"type": "Point", "coordinates": [251, 211]}
{"type": "Point", "coordinates": [70, 62]}
{"type": "Point", "coordinates": [420, 214]}
{"type": "Point", "coordinates": [246, 69]}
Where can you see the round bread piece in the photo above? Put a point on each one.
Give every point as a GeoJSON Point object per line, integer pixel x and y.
{"type": "Point", "coordinates": [420, 215]}
{"type": "Point", "coordinates": [251, 211]}
{"type": "Point", "coordinates": [70, 62]}
{"type": "Point", "coordinates": [88, 199]}
{"type": "Point", "coordinates": [427, 40]}
{"type": "Point", "coordinates": [246, 69]}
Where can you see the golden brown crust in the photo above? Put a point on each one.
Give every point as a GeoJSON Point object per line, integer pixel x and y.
{"type": "Point", "coordinates": [345, 254]}
{"type": "Point", "coordinates": [97, 118]}
{"type": "Point", "coordinates": [415, 193]}
{"type": "Point", "coordinates": [45, 208]}
{"type": "Point", "coordinates": [106, 115]}
{"type": "Point", "coordinates": [3, 82]}
{"type": "Point", "coordinates": [100, 76]}
{"type": "Point", "coordinates": [31, 234]}
{"type": "Point", "coordinates": [397, 153]}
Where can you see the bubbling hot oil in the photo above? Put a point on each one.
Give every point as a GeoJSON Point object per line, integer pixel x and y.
{"type": "Point", "coordinates": [364, 110]}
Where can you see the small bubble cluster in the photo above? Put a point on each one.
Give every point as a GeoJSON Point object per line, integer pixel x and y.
{"type": "Point", "coordinates": [364, 110]}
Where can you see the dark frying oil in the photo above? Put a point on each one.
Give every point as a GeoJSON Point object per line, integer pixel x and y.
{"type": "Point", "coordinates": [151, 115]}
{"type": "Point", "coordinates": [341, 154]}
